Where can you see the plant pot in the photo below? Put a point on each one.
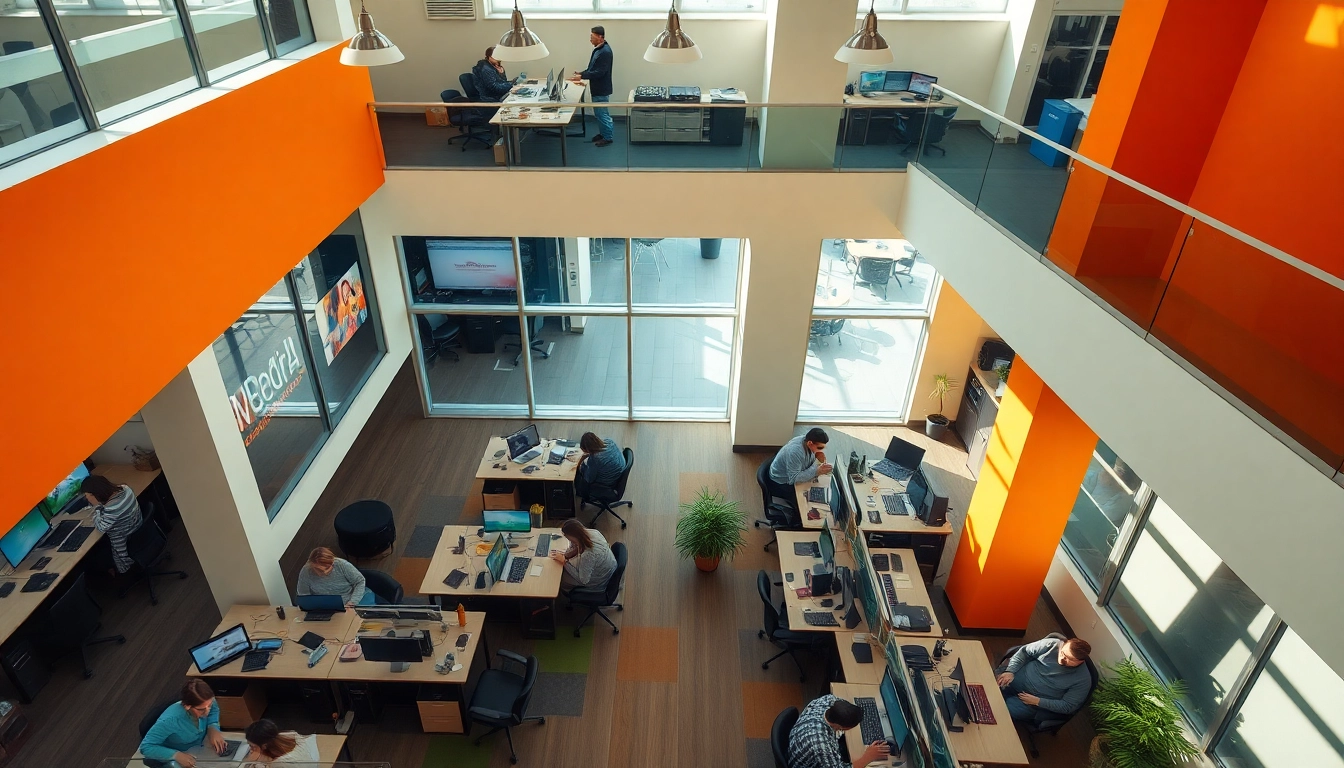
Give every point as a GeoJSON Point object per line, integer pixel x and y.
{"type": "Point", "coordinates": [707, 564]}
{"type": "Point", "coordinates": [935, 426]}
{"type": "Point", "coordinates": [1001, 388]}
{"type": "Point", "coordinates": [709, 247]}
{"type": "Point", "coordinates": [1096, 752]}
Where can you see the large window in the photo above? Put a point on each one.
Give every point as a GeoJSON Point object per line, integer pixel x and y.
{"type": "Point", "coordinates": [228, 33]}
{"type": "Point", "coordinates": [1111, 493]}
{"type": "Point", "coordinates": [935, 6]}
{"type": "Point", "coordinates": [612, 328]}
{"type": "Point", "coordinates": [870, 316]}
{"type": "Point", "coordinates": [588, 7]}
{"type": "Point", "coordinates": [1073, 60]}
{"type": "Point", "coordinates": [37, 103]}
{"type": "Point", "coordinates": [292, 362]}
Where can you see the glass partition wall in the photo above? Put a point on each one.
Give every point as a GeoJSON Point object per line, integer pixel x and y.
{"type": "Point", "coordinates": [607, 328]}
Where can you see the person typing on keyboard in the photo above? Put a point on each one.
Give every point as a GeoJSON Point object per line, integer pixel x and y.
{"type": "Point", "coordinates": [799, 461]}
{"type": "Point", "coordinates": [1049, 675]}
{"type": "Point", "coordinates": [814, 741]}
{"type": "Point", "coordinates": [327, 574]}
{"type": "Point", "coordinates": [601, 464]}
{"type": "Point", "coordinates": [117, 514]}
{"type": "Point", "coordinates": [588, 562]}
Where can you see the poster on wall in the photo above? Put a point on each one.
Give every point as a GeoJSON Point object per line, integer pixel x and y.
{"type": "Point", "coordinates": [341, 312]}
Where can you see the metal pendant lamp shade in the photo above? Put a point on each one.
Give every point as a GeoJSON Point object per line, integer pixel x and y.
{"type": "Point", "coordinates": [369, 47]}
{"type": "Point", "coordinates": [672, 46]}
{"type": "Point", "coordinates": [519, 43]}
{"type": "Point", "coordinates": [866, 46]}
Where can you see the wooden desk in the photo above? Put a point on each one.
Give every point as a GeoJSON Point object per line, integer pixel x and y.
{"type": "Point", "coordinates": [329, 748]}
{"type": "Point", "coordinates": [850, 691]}
{"type": "Point", "coordinates": [15, 609]}
{"type": "Point", "coordinates": [517, 115]}
{"type": "Point", "coordinates": [423, 672]}
{"type": "Point", "coordinates": [795, 564]}
{"type": "Point", "coordinates": [126, 474]}
{"type": "Point", "coordinates": [897, 101]}
{"type": "Point", "coordinates": [854, 671]}
{"type": "Point", "coordinates": [261, 622]}
{"type": "Point", "coordinates": [997, 743]}
{"type": "Point", "coordinates": [908, 590]}
{"type": "Point", "coordinates": [861, 505]}
{"type": "Point", "coordinates": [564, 471]}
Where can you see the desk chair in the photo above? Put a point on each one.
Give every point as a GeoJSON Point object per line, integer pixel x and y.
{"type": "Point", "coordinates": [779, 736]}
{"type": "Point", "coordinates": [501, 697]}
{"type": "Point", "coordinates": [780, 517]}
{"type": "Point", "coordinates": [776, 629]}
{"type": "Point", "coordinates": [912, 124]}
{"type": "Point", "coordinates": [148, 547]}
{"type": "Point", "coordinates": [876, 272]}
{"type": "Point", "coordinates": [473, 124]}
{"type": "Point", "coordinates": [510, 326]}
{"type": "Point", "coordinates": [821, 330]}
{"type": "Point", "coordinates": [1046, 721]}
{"type": "Point", "coordinates": [73, 623]}
{"type": "Point", "coordinates": [597, 599]}
{"type": "Point", "coordinates": [439, 335]}
{"type": "Point", "coordinates": [383, 586]}
{"type": "Point", "coordinates": [905, 266]}
{"type": "Point", "coordinates": [653, 248]}
{"type": "Point", "coordinates": [607, 499]}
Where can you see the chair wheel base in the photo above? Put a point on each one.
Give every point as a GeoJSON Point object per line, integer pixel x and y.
{"type": "Point", "coordinates": [88, 673]}
{"type": "Point", "coordinates": [620, 607]}
{"type": "Point", "coordinates": [765, 665]}
{"type": "Point", "coordinates": [615, 631]}
{"type": "Point", "coordinates": [577, 633]}
{"type": "Point", "coordinates": [622, 525]}
{"type": "Point", "coordinates": [541, 721]}
{"type": "Point", "coordinates": [514, 760]}
{"type": "Point", "coordinates": [121, 641]}
{"type": "Point", "coordinates": [760, 634]}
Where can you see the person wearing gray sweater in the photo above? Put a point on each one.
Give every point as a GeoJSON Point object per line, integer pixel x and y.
{"type": "Point", "coordinates": [1050, 675]}
{"type": "Point", "coordinates": [327, 574]}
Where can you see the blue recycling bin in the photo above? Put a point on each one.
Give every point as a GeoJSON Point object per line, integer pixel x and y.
{"type": "Point", "coordinates": [1059, 122]}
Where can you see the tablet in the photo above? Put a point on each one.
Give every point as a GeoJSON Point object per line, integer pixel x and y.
{"type": "Point", "coordinates": [221, 649]}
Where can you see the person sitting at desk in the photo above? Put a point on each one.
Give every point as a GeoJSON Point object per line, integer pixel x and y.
{"type": "Point", "coordinates": [488, 75]}
{"type": "Point", "coordinates": [601, 464]}
{"type": "Point", "coordinates": [116, 513]}
{"type": "Point", "coordinates": [814, 741]}
{"type": "Point", "coordinates": [588, 562]}
{"type": "Point", "coordinates": [799, 461]}
{"type": "Point", "coordinates": [188, 724]}
{"type": "Point", "coordinates": [1047, 675]}
{"type": "Point", "coordinates": [271, 745]}
{"type": "Point", "coordinates": [327, 574]}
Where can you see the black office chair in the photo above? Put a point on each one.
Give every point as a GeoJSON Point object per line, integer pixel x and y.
{"type": "Point", "coordinates": [597, 599]}
{"type": "Point", "coordinates": [822, 330]}
{"type": "Point", "coordinates": [876, 272]}
{"type": "Point", "coordinates": [501, 697]}
{"type": "Point", "coordinates": [779, 736]}
{"type": "Point", "coordinates": [148, 547]}
{"type": "Point", "coordinates": [911, 125]}
{"type": "Point", "coordinates": [780, 517]}
{"type": "Point", "coordinates": [473, 123]}
{"type": "Point", "coordinates": [776, 630]}
{"type": "Point", "coordinates": [151, 717]}
{"type": "Point", "coordinates": [439, 340]}
{"type": "Point", "coordinates": [510, 326]}
{"type": "Point", "coordinates": [607, 499]}
{"type": "Point", "coordinates": [73, 622]}
{"type": "Point", "coordinates": [1046, 721]}
{"type": "Point", "coordinates": [905, 266]}
{"type": "Point", "coordinates": [383, 586]}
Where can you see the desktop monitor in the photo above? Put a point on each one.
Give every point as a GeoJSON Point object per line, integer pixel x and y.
{"type": "Point", "coordinates": [826, 543]}
{"type": "Point", "coordinates": [917, 490]}
{"type": "Point", "coordinates": [523, 440]}
{"type": "Point", "coordinates": [904, 454]}
{"type": "Point", "coordinates": [871, 82]}
{"type": "Point", "coordinates": [507, 521]}
{"type": "Point", "coordinates": [550, 80]}
{"type": "Point", "coordinates": [221, 649]}
{"type": "Point", "coordinates": [471, 264]}
{"type": "Point", "coordinates": [65, 492]}
{"type": "Point", "coordinates": [558, 89]}
{"type": "Point", "coordinates": [839, 506]}
{"type": "Point", "coordinates": [921, 83]}
{"type": "Point", "coordinates": [897, 81]}
{"type": "Point", "coordinates": [872, 611]}
{"type": "Point", "coordinates": [891, 702]}
{"type": "Point", "coordinates": [24, 536]}
{"type": "Point", "coordinates": [394, 649]}
{"type": "Point", "coordinates": [499, 555]}
{"type": "Point", "coordinates": [846, 578]}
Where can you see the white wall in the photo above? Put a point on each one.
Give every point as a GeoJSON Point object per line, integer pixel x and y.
{"type": "Point", "coordinates": [1274, 520]}
{"type": "Point", "coordinates": [962, 53]}
{"type": "Point", "coordinates": [113, 450]}
{"type": "Point", "coordinates": [954, 330]}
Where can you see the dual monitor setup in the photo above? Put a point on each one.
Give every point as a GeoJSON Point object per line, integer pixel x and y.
{"type": "Point", "coordinates": [36, 530]}
{"type": "Point", "coordinates": [553, 91]}
{"type": "Point", "coordinates": [897, 81]}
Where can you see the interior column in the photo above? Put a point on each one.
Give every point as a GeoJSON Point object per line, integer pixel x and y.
{"type": "Point", "coordinates": [802, 37]}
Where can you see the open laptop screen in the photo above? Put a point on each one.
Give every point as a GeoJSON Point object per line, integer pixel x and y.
{"type": "Point", "coordinates": [221, 649]}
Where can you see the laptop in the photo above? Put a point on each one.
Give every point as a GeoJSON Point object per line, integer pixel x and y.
{"type": "Point", "coordinates": [522, 444]}
{"type": "Point", "coordinates": [221, 649]}
{"type": "Point", "coordinates": [320, 607]}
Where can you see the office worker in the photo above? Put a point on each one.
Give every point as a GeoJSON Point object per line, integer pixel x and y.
{"type": "Point", "coordinates": [268, 744]}
{"type": "Point", "coordinates": [488, 74]}
{"type": "Point", "coordinates": [588, 562]}
{"type": "Point", "coordinates": [116, 513]}
{"type": "Point", "coordinates": [814, 741]}
{"type": "Point", "coordinates": [327, 574]}
{"type": "Point", "coordinates": [598, 75]}
{"type": "Point", "coordinates": [800, 460]}
{"type": "Point", "coordinates": [1048, 674]}
{"type": "Point", "coordinates": [601, 463]}
{"type": "Point", "coordinates": [191, 722]}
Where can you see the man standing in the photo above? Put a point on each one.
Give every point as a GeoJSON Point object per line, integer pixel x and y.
{"type": "Point", "coordinates": [488, 74]}
{"type": "Point", "coordinates": [598, 75]}
{"type": "Point", "coordinates": [1048, 678]}
{"type": "Point", "coordinates": [814, 741]}
{"type": "Point", "coordinates": [799, 461]}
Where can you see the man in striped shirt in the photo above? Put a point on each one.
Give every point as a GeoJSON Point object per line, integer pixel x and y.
{"type": "Point", "coordinates": [116, 513]}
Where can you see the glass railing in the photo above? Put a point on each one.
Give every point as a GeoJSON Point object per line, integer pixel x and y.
{"type": "Point", "coordinates": [1262, 327]}
{"type": "Point", "coordinates": [649, 136]}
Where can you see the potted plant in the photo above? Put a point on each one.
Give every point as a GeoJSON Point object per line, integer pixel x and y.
{"type": "Point", "coordinates": [1001, 370]}
{"type": "Point", "coordinates": [1137, 722]}
{"type": "Point", "coordinates": [935, 424]}
{"type": "Point", "coordinates": [709, 247]}
{"type": "Point", "coordinates": [710, 528]}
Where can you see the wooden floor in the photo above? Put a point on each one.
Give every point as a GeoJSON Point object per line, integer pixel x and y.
{"type": "Point", "coordinates": [680, 685]}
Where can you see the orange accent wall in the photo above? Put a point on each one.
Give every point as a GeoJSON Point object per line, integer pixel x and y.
{"type": "Point", "coordinates": [123, 265]}
{"type": "Point", "coordinates": [1119, 86]}
{"type": "Point", "coordinates": [1037, 456]}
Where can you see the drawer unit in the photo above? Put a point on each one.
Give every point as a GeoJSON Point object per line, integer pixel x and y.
{"type": "Point", "coordinates": [440, 716]}
{"type": "Point", "coordinates": [241, 703]}
{"type": "Point", "coordinates": [647, 119]}
{"type": "Point", "coordinates": [638, 135]}
{"type": "Point", "coordinates": [681, 134]}
{"type": "Point", "coordinates": [683, 118]}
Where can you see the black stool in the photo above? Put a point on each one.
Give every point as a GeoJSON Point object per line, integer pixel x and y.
{"type": "Point", "coordinates": [365, 529]}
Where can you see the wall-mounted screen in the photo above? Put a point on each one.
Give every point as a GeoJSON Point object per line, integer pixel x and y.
{"type": "Point", "coordinates": [467, 264]}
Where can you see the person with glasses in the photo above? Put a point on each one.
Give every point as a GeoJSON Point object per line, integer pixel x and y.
{"type": "Point", "coordinates": [191, 722]}
{"type": "Point", "coordinates": [1049, 674]}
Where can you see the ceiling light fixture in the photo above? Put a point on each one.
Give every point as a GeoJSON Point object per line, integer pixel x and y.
{"type": "Point", "coordinates": [866, 46]}
{"type": "Point", "coordinates": [672, 46]}
{"type": "Point", "coordinates": [519, 43]}
{"type": "Point", "coordinates": [369, 47]}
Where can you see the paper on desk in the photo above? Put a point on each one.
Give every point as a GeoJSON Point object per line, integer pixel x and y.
{"type": "Point", "coordinates": [902, 579]}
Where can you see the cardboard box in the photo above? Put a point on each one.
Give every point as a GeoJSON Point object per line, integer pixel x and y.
{"type": "Point", "coordinates": [500, 494]}
{"type": "Point", "coordinates": [436, 116]}
{"type": "Point", "coordinates": [501, 153]}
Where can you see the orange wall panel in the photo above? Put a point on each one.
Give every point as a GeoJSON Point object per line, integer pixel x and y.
{"type": "Point", "coordinates": [1119, 86]}
{"type": "Point", "coordinates": [126, 263]}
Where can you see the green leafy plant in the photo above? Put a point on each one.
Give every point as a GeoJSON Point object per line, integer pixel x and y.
{"type": "Point", "coordinates": [942, 387]}
{"type": "Point", "coordinates": [1002, 372]}
{"type": "Point", "coordinates": [1137, 717]}
{"type": "Point", "coordinates": [711, 526]}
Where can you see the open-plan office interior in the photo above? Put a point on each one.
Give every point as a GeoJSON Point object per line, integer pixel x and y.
{"type": "Point", "coordinates": [437, 430]}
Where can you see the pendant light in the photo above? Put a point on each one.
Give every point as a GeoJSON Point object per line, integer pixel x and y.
{"type": "Point", "coordinates": [672, 46]}
{"type": "Point", "coordinates": [369, 47]}
{"type": "Point", "coordinates": [866, 46]}
{"type": "Point", "coordinates": [519, 43]}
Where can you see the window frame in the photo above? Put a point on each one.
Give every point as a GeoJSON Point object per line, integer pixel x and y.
{"type": "Point", "coordinates": [892, 9]}
{"type": "Point", "coordinates": [503, 9]}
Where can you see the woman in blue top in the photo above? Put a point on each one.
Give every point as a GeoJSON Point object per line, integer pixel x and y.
{"type": "Point", "coordinates": [188, 724]}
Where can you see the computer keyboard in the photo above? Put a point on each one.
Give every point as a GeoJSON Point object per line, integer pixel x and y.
{"type": "Point", "coordinates": [896, 504]}
{"type": "Point", "coordinates": [57, 535]}
{"type": "Point", "coordinates": [979, 704]}
{"type": "Point", "coordinates": [881, 562]}
{"type": "Point", "coordinates": [871, 725]}
{"type": "Point", "coordinates": [76, 539]}
{"type": "Point", "coordinates": [543, 545]}
{"type": "Point", "coordinates": [893, 470]}
{"type": "Point", "coordinates": [519, 569]}
{"type": "Point", "coordinates": [820, 619]}
{"type": "Point", "coordinates": [874, 516]}
{"type": "Point", "coordinates": [318, 615]}
{"type": "Point", "coordinates": [255, 660]}
{"type": "Point", "coordinates": [889, 589]}
{"type": "Point", "coordinates": [526, 457]}
{"type": "Point", "coordinates": [816, 495]}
